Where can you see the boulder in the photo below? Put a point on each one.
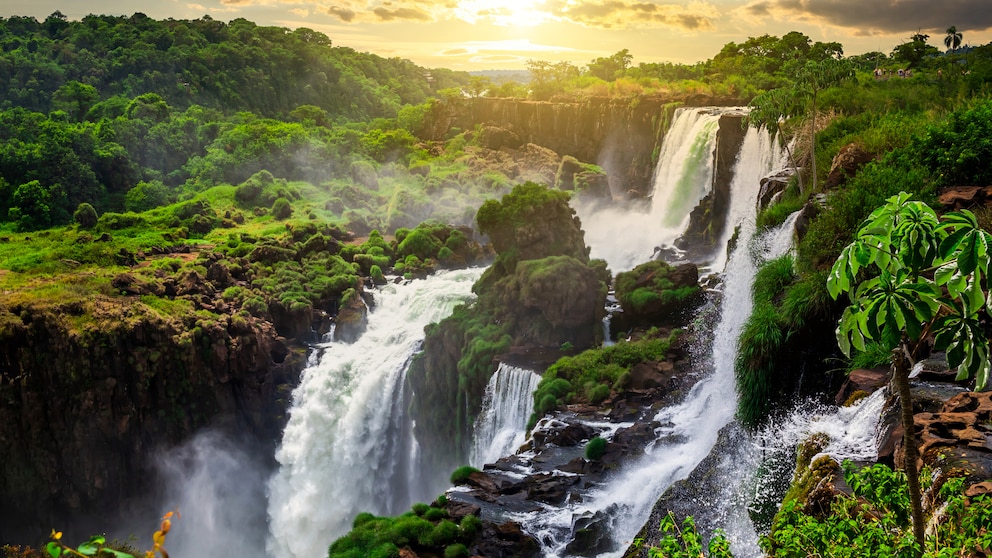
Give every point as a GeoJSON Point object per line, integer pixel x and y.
{"type": "Point", "coordinates": [496, 138]}
{"type": "Point", "coordinates": [964, 197]}
{"type": "Point", "coordinates": [656, 293]}
{"type": "Point", "coordinates": [864, 380]}
{"type": "Point", "coordinates": [772, 186]}
{"type": "Point", "coordinates": [846, 164]}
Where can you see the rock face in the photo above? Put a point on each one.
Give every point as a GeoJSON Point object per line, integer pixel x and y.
{"type": "Point", "coordinates": [964, 197]}
{"type": "Point", "coordinates": [708, 218]}
{"type": "Point", "coordinates": [615, 135]}
{"type": "Point", "coordinates": [90, 388]}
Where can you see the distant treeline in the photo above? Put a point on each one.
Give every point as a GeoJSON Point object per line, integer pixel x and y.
{"type": "Point", "coordinates": [91, 67]}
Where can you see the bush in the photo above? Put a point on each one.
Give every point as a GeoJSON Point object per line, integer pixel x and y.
{"type": "Point", "coordinates": [470, 526]}
{"type": "Point", "coordinates": [85, 215]}
{"type": "Point", "coordinates": [457, 550]}
{"type": "Point", "coordinates": [596, 448]}
{"type": "Point", "coordinates": [281, 209]}
{"type": "Point", "coordinates": [460, 475]}
{"type": "Point", "coordinates": [435, 514]}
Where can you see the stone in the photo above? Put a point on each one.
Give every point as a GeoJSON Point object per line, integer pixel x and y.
{"type": "Point", "coordinates": [846, 164]}
{"type": "Point", "coordinates": [772, 186]}
{"type": "Point", "coordinates": [964, 197]}
{"type": "Point", "coordinates": [862, 379]}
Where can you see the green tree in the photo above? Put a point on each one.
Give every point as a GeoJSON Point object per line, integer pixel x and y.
{"type": "Point", "coordinates": [75, 99]}
{"type": "Point", "coordinates": [611, 67]}
{"type": "Point", "coordinates": [914, 51]}
{"type": "Point", "coordinates": [953, 39]}
{"type": "Point", "coordinates": [477, 85]}
{"type": "Point", "coordinates": [801, 99]}
{"type": "Point", "coordinates": [905, 242]}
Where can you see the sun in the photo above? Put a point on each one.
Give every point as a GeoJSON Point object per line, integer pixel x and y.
{"type": "Point", "coordinates": [508, 13]}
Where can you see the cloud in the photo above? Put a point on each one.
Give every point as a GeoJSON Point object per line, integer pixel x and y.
{"type": "Point", "coordinates": [873, 17]}
{"type": "Point", "coordinates": [344, 14]}
{"type": "Point", "coordinates": [385, 14]}
{"type": "Point", "coordinates": [694, 16]}
{"type": "Point", "coordinates": [454, 52]}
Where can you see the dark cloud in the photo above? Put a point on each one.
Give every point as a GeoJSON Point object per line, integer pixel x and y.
{"type": "Point", "coordinates": [385, 14]}
{"type": "Point", "coordinates": [344, 14]}
{"type": "Point", "coordinates": [874, 16]}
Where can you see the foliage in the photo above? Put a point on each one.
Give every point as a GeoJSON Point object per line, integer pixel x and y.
{"type": "Point", "coordinates": [85, 215]}
{"type": "Point", "coordinates": [416, 530]}
{"type": "Point", "coordinates": [584, 376]}
{"type": "Point", "coordinates": [595, 448]}
{"type": "Point", "coordinates": [97, 545]}
{"type": "Point", "coordinates": [685, 542]}
{"type": "Point", "coordinates": [635, 294]}
{"type": "Point", "coordinates": [461, 474]}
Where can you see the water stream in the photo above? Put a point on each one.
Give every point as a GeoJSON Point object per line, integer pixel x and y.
{"type": "Point", "coordinates": [506, 407]}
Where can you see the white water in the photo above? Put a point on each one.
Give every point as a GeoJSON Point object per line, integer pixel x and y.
{"type": "Point", "coordinates": [348, 446]}
{"type": "Point", "coordinates": [690, 428]}
{"type": "Point", "coordinates": [625, 237]}
{"type": "Point", "coordinates": [506, 407]}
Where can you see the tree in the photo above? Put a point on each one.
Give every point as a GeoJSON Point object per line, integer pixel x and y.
{"type": "Point", "coordinates": [801, 99]}
{"type": "Point", "coordinates": [902, 307]}
{"type": "Point", "coordinates": [477, 85]}
{"type": "Point", "coordinates": [612, 67]}
{"type": "Point", "coordinates": [953, 39]}
{"type": "Point", "coordinates": [75, 98]}
{"type": "Point", "coordinates": [914, 51]}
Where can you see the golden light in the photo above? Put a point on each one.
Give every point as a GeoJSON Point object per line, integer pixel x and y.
{"type": "Point", "coordinates": [508, 13]}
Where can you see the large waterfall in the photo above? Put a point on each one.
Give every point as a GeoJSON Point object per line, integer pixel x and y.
{"type": "Point", "coordinates": [348, 446]}
{"type": "Point", "coordinates": [683, 176]}
{"type": "Point", "coordinates": [506, 406]}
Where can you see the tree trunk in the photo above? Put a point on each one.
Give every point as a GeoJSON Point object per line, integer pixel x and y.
{"type": "Point", "coordinates": [900, 378]}
{"type": "Point", "coordinates": [792, 160]}
{"type": "Point", "coordinates": [812, 140]}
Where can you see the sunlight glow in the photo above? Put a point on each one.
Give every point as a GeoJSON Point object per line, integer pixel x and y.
{"type": "Point", "coordinates": [507, 13]}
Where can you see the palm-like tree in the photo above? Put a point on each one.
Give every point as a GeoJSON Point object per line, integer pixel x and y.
{"type": "Point", "coordinates": [953, 39]}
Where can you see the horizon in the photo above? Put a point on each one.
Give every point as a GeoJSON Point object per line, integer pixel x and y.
{"type": "Point", "coordinates": [501, 35]}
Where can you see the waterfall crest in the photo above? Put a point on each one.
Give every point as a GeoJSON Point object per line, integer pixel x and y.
{"type": "Point", "coordinates": [348, 445]}
{"type": "Point", "coordinates": [506, 407]}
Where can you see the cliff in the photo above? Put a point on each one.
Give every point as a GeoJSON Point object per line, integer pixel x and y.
{"type": "Point", "coordinates": [622, 136]}
{"type": "Point", "coordinates": [92, 388]}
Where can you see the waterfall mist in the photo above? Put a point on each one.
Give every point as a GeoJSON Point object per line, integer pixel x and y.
{"type": "Point", "coordinates": [217, 485]}
{"type": "Point", "coordinates": [348, 446]}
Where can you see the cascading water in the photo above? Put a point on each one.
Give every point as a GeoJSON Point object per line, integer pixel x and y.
{"type": "Point", "coordinates": [348, 446]}
{"type": "Point", "coordinates": [690, 428]}
{"type": "Point", "coordinates": [506, 407]}
{"type": "Point", "coordinates": [683, 176]}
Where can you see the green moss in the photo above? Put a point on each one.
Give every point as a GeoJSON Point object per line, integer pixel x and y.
{"type": "Point", "coordinates": [595, 448]}
{"type": "Point", "coordinates": [461, 474]}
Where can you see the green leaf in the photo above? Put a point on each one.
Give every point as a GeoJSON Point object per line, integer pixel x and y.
{"type": "Point", "coordinates": [53, 549]}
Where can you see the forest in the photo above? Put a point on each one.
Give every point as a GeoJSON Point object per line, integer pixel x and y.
{"type": "Point", "coordinates": [235, 181]}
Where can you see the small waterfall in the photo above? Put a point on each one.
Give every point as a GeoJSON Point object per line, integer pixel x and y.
{"type": "Point", "coordinates": [684, 174]}
{"type": "Point", "coordinates": [348, 446]}
{"type": "Point", "coordinates": [506, 407]}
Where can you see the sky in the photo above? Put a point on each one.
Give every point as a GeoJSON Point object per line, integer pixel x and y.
{"type": "Point", "coordinates": [504, 34]}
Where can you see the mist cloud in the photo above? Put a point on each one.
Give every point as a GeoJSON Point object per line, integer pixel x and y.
{"type": "Point", "coordinates": [876, 17]}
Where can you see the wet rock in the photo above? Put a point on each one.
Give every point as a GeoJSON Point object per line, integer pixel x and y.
{"type": "Point", "coordinates": [772, 187]}
{"type": "Point", "coordinates": [459, 510]}
{"type": "Point", "coordinates": [591, 533]}
{"type": "Point", "coordinates": [505, 540]}
{"type": "Point", "coordinates": [863, 380]}
{"type": "Point", "coordinates": [549, 488]}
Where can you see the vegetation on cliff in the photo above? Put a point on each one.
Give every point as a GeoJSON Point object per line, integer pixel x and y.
{"type": "Point", "coordinates": [542, 291]}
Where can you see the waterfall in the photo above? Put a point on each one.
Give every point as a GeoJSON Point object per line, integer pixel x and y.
{"type": "Point", "coordinates": [683, 176]}
{"type": "Point", "coordinates": [689, 429]}
{"type": "Point", "coordinates": [348, 445]}
{"type": "Point", "coordinates": [506, 407]}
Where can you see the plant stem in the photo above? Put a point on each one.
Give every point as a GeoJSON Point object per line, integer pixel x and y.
{"type": "Point", "coordinates": [901, 365]}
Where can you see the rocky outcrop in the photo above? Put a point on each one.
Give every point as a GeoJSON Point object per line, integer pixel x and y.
{"type": "Point", "coordinates": [91, 388]}
{"type": "Point", "coordinates": [772, 187]}
{"type": "Point", "coordinates": [965, 197]}
{"type": "Point", "coordinates": [656, 293]}
{"type": "Point", "coordinates": [708, 219]}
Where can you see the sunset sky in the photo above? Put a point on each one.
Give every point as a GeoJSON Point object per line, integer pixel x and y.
{"type": "Point", "coordinates": [503, 34]}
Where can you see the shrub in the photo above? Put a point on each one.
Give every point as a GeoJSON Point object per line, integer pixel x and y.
{"type": "Point", "coordinates": [470, 526]}
{"type": "Point", "coordinates": [460, 475]}
{"type": "Point", "coordinates": [281, 209]}
{"type": "Point", "coordinates": [596, 448]}
{"type": "Point", "coordinates": [85, 215]}
{"type": "Point", "coordinates": [457, 550]}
